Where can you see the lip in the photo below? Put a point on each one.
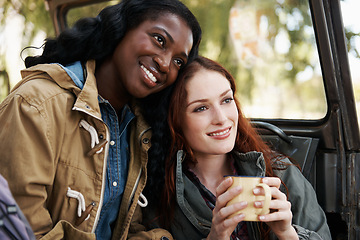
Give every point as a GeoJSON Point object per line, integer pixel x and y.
{"type": "Point", "coordinates": [151, 77]}
{"type": "Point", "coordinates": [221, 133]}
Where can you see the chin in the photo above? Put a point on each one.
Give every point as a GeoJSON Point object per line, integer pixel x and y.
{"type": "Point", "coordinates": [224, 150]}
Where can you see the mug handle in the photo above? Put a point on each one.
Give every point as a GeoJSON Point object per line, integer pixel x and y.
{"type": "Point", "coordinates": [265, 208]}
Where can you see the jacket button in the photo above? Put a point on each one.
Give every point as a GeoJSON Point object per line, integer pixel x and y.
{"type": "Point", "coordinates": [164, 238]}
{"type": "Point", "coordinates": [146, 140]}
{"type": "Point", "coordinates": [101, 136]}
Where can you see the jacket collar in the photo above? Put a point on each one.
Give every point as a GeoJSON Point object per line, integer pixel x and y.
{"type": "Point", "coordinates": [198, 213]}
{"type": "Point", "coordinates": [142, 129]}
{"type": "Point", "coordinates": [87, 98]}
{"type": "Point", "coordinates": [249, 164]}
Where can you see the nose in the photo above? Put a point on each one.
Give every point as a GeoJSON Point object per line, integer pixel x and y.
{"type": "Point", "coordinates": [219, 116]}
{"type": "Point", "coordinates": [163, 63]}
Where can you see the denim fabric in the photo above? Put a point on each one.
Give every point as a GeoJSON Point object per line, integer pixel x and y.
{"type": "Point", "coordinates": [118, 156]}
{"type": "Point", "coordinates": [117, 166]}
{"type": "Point", "coordinates": [75, 71]}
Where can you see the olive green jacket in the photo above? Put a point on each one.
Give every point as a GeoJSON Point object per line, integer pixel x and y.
{"type": "Point", "coordinates": [192, 216]}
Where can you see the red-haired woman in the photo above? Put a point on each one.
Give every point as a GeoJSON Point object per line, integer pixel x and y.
{"type": "Point", "coordinates": [211, 138]}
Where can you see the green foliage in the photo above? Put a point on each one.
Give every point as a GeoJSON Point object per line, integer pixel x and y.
{"type": "Point", "coordinates": [214, 22]}
{"type": "Point", "coordinates": [350, 42]}
{"type": "Point", "coordinates": [87, 11]}
{"type": "Point", "coordinates": [287, 20]}
{"type": "Point", "coordinates": [34, 14]}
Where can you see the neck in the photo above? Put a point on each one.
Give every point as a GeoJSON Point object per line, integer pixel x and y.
{"type": "Point", "coordinates": [110, 86]}
{"type": "Point", "coordinates": [211, 170]}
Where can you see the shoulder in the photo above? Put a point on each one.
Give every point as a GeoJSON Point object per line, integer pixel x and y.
{"type": "Point", "coordinates": [140, 124]}
{"type": "Point", "coordinates": [285, 169]}
{"type": "Point", "coordinates": [40, 84]}
{"type": "Point", "coordinates": [294, 182]}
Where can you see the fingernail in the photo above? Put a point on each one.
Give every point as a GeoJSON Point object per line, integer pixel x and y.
{"type": "Point", "coordinates": [243, 204]}
{"type": "Point", "coordinates": [261, 217]}
{"type": "Point", "coordinates": [240, 216]}
{"type": "Point", "coordinates": [257, 204]}
{"type": "Point", "coordinates": [256, 190]}
{"type": "Point", "coordinates": [264, 180]}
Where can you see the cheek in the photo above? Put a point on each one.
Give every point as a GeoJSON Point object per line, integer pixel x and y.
{"type": "Point", "coordinates": [172, 76]}
{"type": "Point", "coordinates": [236, 119]}
{"type": "Point", "coordinates": [234, 114]}
{"type": "Point", "coordinates": [192, 128]}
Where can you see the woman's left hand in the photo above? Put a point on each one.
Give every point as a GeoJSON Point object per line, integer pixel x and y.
{"type": "Point", "coordinates": [280, 217]}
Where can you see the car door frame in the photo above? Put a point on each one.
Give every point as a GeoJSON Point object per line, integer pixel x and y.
{"type": "Point", "coordinates": [337, 166]}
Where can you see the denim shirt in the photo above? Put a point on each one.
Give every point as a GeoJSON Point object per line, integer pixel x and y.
{"type": "Point", "coordinates": [118, 157]}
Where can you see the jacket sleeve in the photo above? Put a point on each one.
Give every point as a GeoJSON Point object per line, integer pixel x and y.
{"type": "Point", "coordinates": [309, 219]}
{"type": "Point", "coordinates": [28, 157]}
{"type": "Point", "coordinates": [137, 230]}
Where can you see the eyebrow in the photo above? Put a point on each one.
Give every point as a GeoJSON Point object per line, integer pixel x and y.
{"type": "Point", "coordinates": [204, 100]}
{"type": "Point", "coordinates": [168, 35]}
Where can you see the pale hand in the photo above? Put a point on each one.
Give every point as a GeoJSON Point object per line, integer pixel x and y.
{"type": "Point", "coordinates": [222, 226]}
{"type": "Point", "coordinates": [280, 217]}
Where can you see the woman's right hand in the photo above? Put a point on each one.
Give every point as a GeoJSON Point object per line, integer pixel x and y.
{"type": "Point", "coordinates": [222, 226]}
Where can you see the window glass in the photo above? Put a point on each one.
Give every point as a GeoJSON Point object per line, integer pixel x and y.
{"type": "Point", "coordinates": [351, 21]}
{"type": "Point", "coordinates": [92, 10]}
{"type": "Point", "coordinates": [269, 47]}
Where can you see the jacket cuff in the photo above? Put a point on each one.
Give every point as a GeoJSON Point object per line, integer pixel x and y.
{"type": "Point", "coordinates": [305, 234]}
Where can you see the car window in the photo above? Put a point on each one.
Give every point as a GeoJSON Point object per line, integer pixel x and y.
{"type": "Point", "coordinates": [269, 46]}
{"type": "Point", "coordinates": [91, 10]}
{"type": "Point", "coordinates": [352, 31]}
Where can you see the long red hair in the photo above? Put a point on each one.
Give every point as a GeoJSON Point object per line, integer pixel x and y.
{"type": "Point", "coordinates": [247, 138]}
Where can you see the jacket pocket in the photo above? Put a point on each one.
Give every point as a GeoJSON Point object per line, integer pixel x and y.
{"type": "Point", "coordinates": [64, 230]}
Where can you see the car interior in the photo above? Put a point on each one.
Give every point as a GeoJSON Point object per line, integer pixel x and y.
{"type": "Point", "coordinates": [326, 146]}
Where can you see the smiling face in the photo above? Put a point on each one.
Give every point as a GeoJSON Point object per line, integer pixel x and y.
{"type": "Point", "coordinates": [211, 116]}
{"type": "Point", "coordinates": [149, 56]}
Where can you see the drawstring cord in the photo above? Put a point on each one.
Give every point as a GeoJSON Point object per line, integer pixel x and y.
{"type": "Point", "coordinates": [93, 134]}
{"type": "Point", "coordinates": [81, 201]}
{"type": "Point", "coordinates": [144, 202]}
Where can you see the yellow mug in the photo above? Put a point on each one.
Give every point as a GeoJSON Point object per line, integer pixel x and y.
{"type": "Point", "coordinates": [248, 184]}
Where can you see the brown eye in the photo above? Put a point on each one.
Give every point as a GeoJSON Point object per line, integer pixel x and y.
{"type": "Point", "coordinates": [179, 62]}
{"type": "Point", "coordinates": [160, 40]}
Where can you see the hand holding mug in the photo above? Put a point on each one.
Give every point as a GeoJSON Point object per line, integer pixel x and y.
{"type": "Point", "coordinates": [222, 224]}
{"type": "Point", "coordinates": [249, 185]}
{"type": "Point", "coordinates": [280, 217]}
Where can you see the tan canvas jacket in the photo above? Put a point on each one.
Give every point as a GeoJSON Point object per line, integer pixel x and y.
{"type": "Point", "coordinates": [53, 151]}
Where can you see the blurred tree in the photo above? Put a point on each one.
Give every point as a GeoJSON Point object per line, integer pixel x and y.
{"type": "Point", "coordinates": [35, 19]}
{"type": "Point", "coordinates": [34, 12]}
{"type": "Point", "coordinates": [283, 48]}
